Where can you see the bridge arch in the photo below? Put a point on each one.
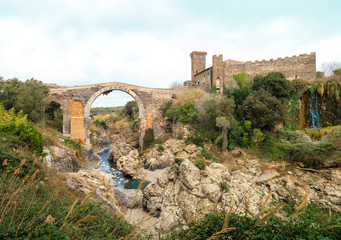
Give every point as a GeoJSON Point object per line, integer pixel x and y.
{"type": "Point", "coordinates": [106, 90]}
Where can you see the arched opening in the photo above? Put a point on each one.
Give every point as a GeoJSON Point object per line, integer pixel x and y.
{"type": "Point", "coordinates": [54, 116]}
{"type": "Point", "coordinates": [114, 112]}
{"type": "Point", "coordinates": [113, 115]}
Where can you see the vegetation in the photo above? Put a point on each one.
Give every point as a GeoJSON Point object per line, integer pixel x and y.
{"type": "Point", "coordinates": [28, 97]}
{"type": "Point", "coordinates": [241, 79]}
{"type": "Point", "coordinates": [275, 83]}
{"type": "Point", "coordinates": [263, 110]}
{"type": "Point", "coordinates": [148, 138]}
{"type": "Point", "coordinates": [200, 163]}
{"type": "Point", "coordinates": [311, 222]}
{"type": "Point", "coordinates": [18, 126]}
{"type": "Point", "coordinates": [35, 207]}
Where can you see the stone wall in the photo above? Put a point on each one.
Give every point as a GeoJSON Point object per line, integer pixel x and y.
{"type": "Point", "coordinates": [302, 66]}
{"type": "Point", "coordinates": [222, 72]}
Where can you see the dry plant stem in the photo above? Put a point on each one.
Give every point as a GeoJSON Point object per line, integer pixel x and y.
{"type": "Point", "coordinates": [29, 207]}
{"type": "Point", "coordinates": [34, 219]}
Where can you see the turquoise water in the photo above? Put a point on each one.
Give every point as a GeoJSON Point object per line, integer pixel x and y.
{"type": "Point", "coordinates": [121, 181]}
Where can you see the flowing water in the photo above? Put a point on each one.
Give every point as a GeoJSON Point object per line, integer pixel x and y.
{"type": "Point", "coordinates": [314, 114]}
{"type": "Point", "coordinates": [122, 181]}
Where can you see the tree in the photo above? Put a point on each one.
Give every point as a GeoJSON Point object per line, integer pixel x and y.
{"type": "Point", "coordinates": [216, 107]}
{"type": "Point", "coordinates": [186, 113]}
{"type": "Point", "coordinates": [241, 79]}
{"type": "Point", "coordinates": [263, 110]}
{"type": "Point", "coordinates": [328, 68]}
{"type": "Point", "coordinates": [224, 124]}
{"type": "Point", "coordinates": [275, 83]}
{"type": "Point", "coordinates": [337, 71]}
{"type": "Point", "coordinates": [29, 96]}
{"type": "Point", "coordinates": [130, 109]}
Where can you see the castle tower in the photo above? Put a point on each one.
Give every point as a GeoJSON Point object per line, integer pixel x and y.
{"type": "Point", "coordinates": [198, 62]}
{"type": "Point", "coordinates": [218, 73]}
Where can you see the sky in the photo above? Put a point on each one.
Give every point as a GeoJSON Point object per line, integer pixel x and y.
{"type": "Point", "coordinates": [148, 42]}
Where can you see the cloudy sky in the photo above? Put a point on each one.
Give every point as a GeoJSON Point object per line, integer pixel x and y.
{"type": "Point", "coordinates": [148, 42]}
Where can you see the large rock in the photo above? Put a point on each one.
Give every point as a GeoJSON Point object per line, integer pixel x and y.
{"type": "Point", "coordinates": [61, 159]}
{"type": "Point", "coordinates": [212, 192]}
{"type": "Point", "coordinates": [131, 198]}
{"type": "Point", "coordinates": [128, 164]}
{"type": "Point", "coordinates": [162, 160]}
{"type": "Point", "coordinates": [189, 174]}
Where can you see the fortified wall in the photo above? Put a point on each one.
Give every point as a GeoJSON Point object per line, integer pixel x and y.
{"type": "Point", "coordinates": [302, 66]}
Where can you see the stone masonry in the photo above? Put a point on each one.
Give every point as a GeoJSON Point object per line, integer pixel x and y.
{"type": "Point", "coordinates": [221, 73]}
{"type": "Point", "coordinates": [76, 103]}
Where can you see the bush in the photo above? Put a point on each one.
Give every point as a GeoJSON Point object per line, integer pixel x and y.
{"type": "Point", "coordinates": [241, 79]}
{"type": "Point", "coordinates": [186, 113]}
{"type": "Point", "coordinates": [263, 110]}
{"type": "Point", "coordinates": [200, 163]}
{"type": "Point", "coordinates": [190, 95]}
{"type": "Point", "coordinates": [224, 187]}
{"type": "Point", "coordinates": [275, 83]}
{"type": "Point", "coordinates": [160, 148]}
{"type": "Point", "coordinates": [197, 138]}
{"type": "Point", "coordinates": [17, 125]}
{"type": "Point", "coordinates": [167, 105]}
{"type": "Point", "coordinates": [207, 154]}
{"type": "Point", "coordinates": [99, 122]}
{"type": "Point", "coordinates": [215, 107]}
{"type": "Point", "coordinates": [148, 138]}
{"type": "Point", "coordinates": [179, 161]}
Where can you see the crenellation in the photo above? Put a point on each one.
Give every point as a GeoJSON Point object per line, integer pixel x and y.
{"type": "Point", "coordinates": [302, 66]}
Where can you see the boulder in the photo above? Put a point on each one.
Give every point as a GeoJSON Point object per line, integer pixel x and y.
{"type": "Point", "coordinates": [163, 160]}
{"type": "Point", "coordinates": [61, 159]}
{"type": "Point", "coordinates": [131, 198]}
{"type": "Point", "coordinates": [189, 174]}
{"type": "Point", "coordinates": [212, 192]}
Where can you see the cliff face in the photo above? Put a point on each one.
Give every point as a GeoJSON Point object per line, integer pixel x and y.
{"type": "Point", "coordinates": [320, 106]}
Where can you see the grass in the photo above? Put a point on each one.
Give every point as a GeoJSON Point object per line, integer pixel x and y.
{"type": "Point", "coordinates": [34, 204]}
{"type": "Point", "coordinates": [317, 133]}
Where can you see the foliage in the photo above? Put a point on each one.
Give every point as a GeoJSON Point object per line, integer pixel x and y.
{"type": "Point", "coordinates": [337, 71]}
{"type": "Point", "coordinates": [319, 74]}
{"type": "Point", "coordinates": [17, 125]}
{"type": "Point", "coordinates": [130, 110]}
{"type": "Point", "coordinates": [148, 138]}
{"type": "Point", "coordinates": [275, 83]}
{"type": "Point", "coordinates": [224, 187]}
{"type": "Point", "coordinates": [100, 122]}
{"type": "Point", "coordinates": [238, 94]}
{"type": "Point", "coordinates": [310, 224]}
{"type": "Point", "coordinates": [215, 107]}
{"type": "Point", "coordinates": [54, 110]}
{"type": "Point", "coordinates": [190, 95]}
{"type": "Point", "coordinates": [197, 138]}
{"type": "Point", "coordinates": [160, 148]}
{"type": "Point", "coordinates": [30, 208]}
{"type": "Point", "coordinates": [167, 105]}
{"type": "Point", "coordinates": [299, 85]}
{"type": "Point", "coordinates": [214, 89]}
{"type": "Point", "coordinates": [186, 113]}
{"type": "Point", "coordinates": [241, 79]}
{"type": "Point", "coordinates": [179, 161]}
{"type": "Point", "coordinates": [200, 163]}
{"type": "Point", "coordinates": [258, 135]}
{"type": "Point", "coordinates": [207, 154]}
{"type": "Point", "coordinates": [263, 110]}
{"type": "Point", "coordinates": [28, 97]}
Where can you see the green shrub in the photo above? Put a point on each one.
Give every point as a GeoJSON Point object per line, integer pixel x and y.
{"type": "Point", "coordinates": [207, 154]}
{"type": "Point", "coordinates": [17, 125]}
{"type": "Point", "coordinates": [224, 187]}
{"type": "Point", "coordinates": [100, 122]}
{"type": "Point", "coordinates": [200, 163]}
{"type": "Point", "coordinates": [167, 105]}
{"type": "Point", "coordinates": [197, 138]}
{"type": "Point", "coordinates": [241, 79]}
{"type": "Point", "coordinates": [186, 113]}
{"type": "Point", "coordinates": [148, 138]}
{"type": "Point", "coordinates": [179, 161]}
{"type": "Point", "coordinates": [160, 148]}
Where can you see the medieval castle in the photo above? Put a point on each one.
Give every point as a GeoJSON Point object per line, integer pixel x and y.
{"type": "Point", "coordinates": [221, 73]}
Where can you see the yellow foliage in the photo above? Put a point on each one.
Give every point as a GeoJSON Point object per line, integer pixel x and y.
{"type": "Point", "coordinates": [119, 125]}
{"type": "Point", "coordinates": [190, 95]}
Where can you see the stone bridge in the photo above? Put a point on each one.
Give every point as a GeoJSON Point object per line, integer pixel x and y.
{"type": "Point", "coordinates": [76, 103]}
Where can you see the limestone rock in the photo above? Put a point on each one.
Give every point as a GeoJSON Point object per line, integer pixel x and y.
{"type": "Point", "coordinates": [131, 198]}
{"type": "Point", "coordinates": [189, 174]}
{"type": "Point", "coordinates": [61, 159]}
{"type": "Point", "coordinates": [212, 192]}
